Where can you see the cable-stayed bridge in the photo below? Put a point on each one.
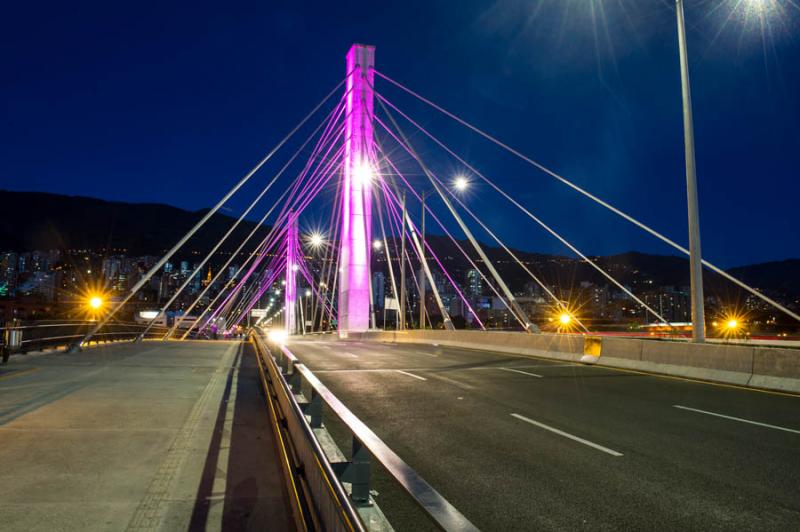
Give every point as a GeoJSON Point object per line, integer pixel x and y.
{"type": "Point", "coordinates": [409, 422]}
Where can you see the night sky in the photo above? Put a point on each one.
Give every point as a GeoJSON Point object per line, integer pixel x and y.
{"type": "Point", "coordinates": [173, 102]}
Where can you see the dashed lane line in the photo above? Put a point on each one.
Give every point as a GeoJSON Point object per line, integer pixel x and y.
{"type": "Point", "coordinates": [732, 418]}
{"type": "Point", "coordinates": [411, 374]}
{"type": "Point", "coordinates": [572, 437]}
{"type": "Point", "coordinates": [522, 372]}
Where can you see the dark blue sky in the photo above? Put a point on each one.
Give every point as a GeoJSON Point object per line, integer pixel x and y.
{"type": "Point", "coordinates": [172, 102]}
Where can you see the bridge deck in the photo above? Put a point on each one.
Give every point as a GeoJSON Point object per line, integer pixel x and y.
{"type": "Point", "coordinates": [138, 437]}
{"type": "Point", "coordinates": [519, 443]}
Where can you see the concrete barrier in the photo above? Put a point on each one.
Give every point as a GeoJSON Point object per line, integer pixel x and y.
{"type": "Point", "coordinates": [745, 365]}
{"type": "Point", "coordinates": [714, 362]}
{"type": "Point", "coordinates": [778, 369]}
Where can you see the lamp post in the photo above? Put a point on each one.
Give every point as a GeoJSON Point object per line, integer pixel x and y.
{"type": "Point", "coordinates": [401, 322]}
{"type": "Point", "coordinates": [695, 255]}
{"type": "Point", "coordinates": [421, 270]}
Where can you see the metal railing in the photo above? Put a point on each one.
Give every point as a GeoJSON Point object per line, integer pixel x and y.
{"type": "Point", "coordinates": [22, 339]}
{"type": "Point", "coordinates": [338, 490]}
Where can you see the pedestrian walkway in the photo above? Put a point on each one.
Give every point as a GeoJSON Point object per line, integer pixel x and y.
{"type": "Point", "coordinates": [150, 436]}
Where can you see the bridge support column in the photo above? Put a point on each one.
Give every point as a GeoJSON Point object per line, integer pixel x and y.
{"type": "Point", "coordinates": [290, 290]}
{"type": "Point", "coordinates": [354, 277]}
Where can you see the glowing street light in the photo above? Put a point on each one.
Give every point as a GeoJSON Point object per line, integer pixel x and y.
{"type": "Point", "coordinates": [377, 245]}
{"type": "Point", "coordinates": [461, 183]}
{"type": "Point", "coordinates": [316, 240]}
{"type": "Point", "coordinates": [308, 292]}
{"type": "Point", "coordinates": [363, 173]}
{"type": "Point", "coordinates": [732, 324]}
{"type": "Point", "coordinates": [564, 318]}
{"type": "Point", "coordinates": [96, 302]}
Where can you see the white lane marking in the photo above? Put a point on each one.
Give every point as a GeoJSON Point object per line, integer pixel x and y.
{"type": "Point", "coordinates": [555, 366]}
{"type": "Point", "coordinates": [523, 372]}
{"type": "Point", "coordinates": [364, 370]}
{"type": "Point", "coordinates": [767, 425]}
{"type": "Point", "coordinates": [452, 382]}
{"type": "Point", "coordinates": [411, 374]}
{"type": "Point", "coordinates": [599, 447]}
{"type": "Point", "coordinates": [426, 354]}
{"type": "Point", "coordinates": [350, 354]}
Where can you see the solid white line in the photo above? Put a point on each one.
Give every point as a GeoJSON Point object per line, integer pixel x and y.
{"type": "Point", "coordinates": [776, 427]}
{"type": "Point", "coordinates": [350, 354]}
{"type": "Point", "coordinates": [567, 435]}
{"type": "Point", "coordinates": [523, 372]}
{"type": "Point", "coordinates": [411, 374]}
{"type": "Point", "coordinates": [426, 354]}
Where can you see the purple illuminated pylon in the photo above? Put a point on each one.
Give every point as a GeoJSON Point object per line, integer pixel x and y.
{"type": "Point", "coordinates": [290, 290]}
{"type": "Point", "coordinates": [354, 283]}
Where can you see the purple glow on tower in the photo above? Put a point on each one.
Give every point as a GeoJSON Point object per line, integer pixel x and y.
{"type": "Point", "coordinates": [354, 284]}
{"type": "Point", "coordinates": [290, 290]}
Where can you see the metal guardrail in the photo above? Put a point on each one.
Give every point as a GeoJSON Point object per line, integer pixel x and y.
{"type": "Point", "coordinates": [21, 339]}
{"type": "Point", "coordinates": [324, 480]}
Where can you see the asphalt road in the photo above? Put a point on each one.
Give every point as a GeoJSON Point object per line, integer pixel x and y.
{"type": "Point", "coordinates": [154, 436]}
{"type": "Point", "coordinates": [520, 443]}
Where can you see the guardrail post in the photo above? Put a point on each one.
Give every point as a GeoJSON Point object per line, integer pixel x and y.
{"type": "Point", "coordinates": [359, 473]}
{"type": "Point", "coordinates": [315, 410]}
{"type": "Point", "coordinates": [295, 383]}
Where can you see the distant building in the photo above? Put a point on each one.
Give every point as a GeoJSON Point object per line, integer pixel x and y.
{"type": "Point", "coordinates": [378, 290]}
{"type": "Point", "coordinates": [474, 283]}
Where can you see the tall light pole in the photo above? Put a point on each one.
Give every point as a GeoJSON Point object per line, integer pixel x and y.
{"type": "Point", "coordinates": [401, 322]}
{"type": "Point", "coordinates": [421, 269]}
{"type": "Point", "coordinates": [695, 255]}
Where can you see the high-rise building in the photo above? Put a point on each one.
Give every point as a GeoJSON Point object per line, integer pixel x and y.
{"type": "Point", "coordinates": [378, 290]}
{"type": "Point", "coordinates": [8, 271]}
{"type": "Point", "coordinates": [474, 283]}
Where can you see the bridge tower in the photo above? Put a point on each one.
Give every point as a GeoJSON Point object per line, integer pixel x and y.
{"type": "Point", "coordinates": [290, 290]}
{"type": "Point", "coordinates": [359, 173]}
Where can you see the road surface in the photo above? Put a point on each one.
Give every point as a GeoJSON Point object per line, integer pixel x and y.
{"type": "Point", "coordinates": [520, 443]}
{"type": "Point", "coordinates": [153, 436]}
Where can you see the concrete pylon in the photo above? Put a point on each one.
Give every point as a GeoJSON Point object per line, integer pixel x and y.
{"type": "Point", "coordinates": [359, 174]}
{"type": "Point", "coordinates": [290, 290]}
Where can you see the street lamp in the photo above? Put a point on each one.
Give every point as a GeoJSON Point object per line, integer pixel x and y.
{"type": "Point", "coordinates": [460, 183]}
{"type": "Point", "coordinates": [316, 240]}
{"type": "Point", "coordinates": [695, 255]}
{"type": "Point", "coordinates": [95, 302]}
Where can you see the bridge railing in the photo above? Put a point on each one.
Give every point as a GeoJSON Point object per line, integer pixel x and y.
{"type": "Point", "coordinates": [26, 338]}
{"type": "Point", "coordinates": [339, 487]}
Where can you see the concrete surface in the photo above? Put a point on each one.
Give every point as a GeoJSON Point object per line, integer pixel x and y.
{"type": "Point", "coordinates": [154, 436]}
{"type": "Point", "coordinates": [523, 443]}
{"type": "Point", "coordinates": [749, 365]}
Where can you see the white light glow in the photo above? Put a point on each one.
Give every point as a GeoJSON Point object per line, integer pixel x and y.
{"type": "Point", "coordinates": [377, 244]}
{"type": "Point", "coordinates": [278, 337]}
{"type": "Point", "coordinates": [316, 240]}
{"type": "Point", "coordinates": [362, 173]}
{"type": "Point", "coordinates": [461, 183]}
{"type": "Point", "coordinates": [148, 314]}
